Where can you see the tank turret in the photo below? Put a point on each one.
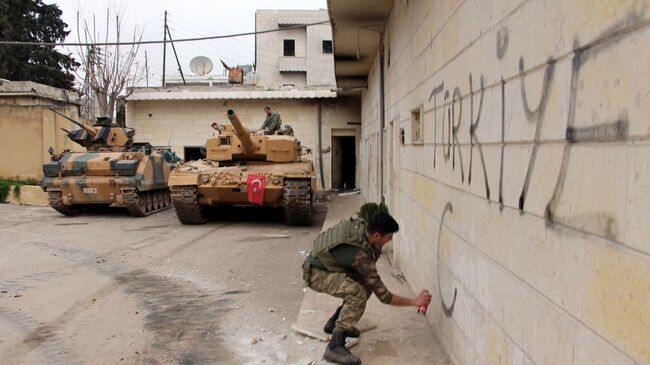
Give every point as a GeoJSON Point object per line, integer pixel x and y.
{"type": "Point", "coordinates": [102, 136]}
{"type": "Point", "coordinates": [236, 143]}
{"type": "Point", "coordinates": [241, 167]}
{"type": "Point", "coordinates": [114, 171]}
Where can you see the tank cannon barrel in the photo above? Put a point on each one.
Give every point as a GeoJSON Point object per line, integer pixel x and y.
{"type": "Point", "coordinates": [247, 144]}
{"type": "Point", "coordinates": [90, 130]}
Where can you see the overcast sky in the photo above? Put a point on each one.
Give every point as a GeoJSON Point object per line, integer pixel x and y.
{"type": "Point", "coordinates": [186, 19]}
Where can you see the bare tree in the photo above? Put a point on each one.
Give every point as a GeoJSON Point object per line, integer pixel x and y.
{"type": "Point", "coordinates": [107, 71]}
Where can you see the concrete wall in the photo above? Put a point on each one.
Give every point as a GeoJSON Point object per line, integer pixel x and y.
{"type": "Point", "coordinates": [319, 71]}
{"type": "Point", "coordinates": [28, 195]}
{"type": "Point", "coordinates": [188, 121]}
{"type": "Point", "coordinates": [28, 129]}
{"type": "Point", "coordinates": [525, 209]}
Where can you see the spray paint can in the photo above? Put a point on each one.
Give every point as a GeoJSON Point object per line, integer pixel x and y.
{"type": "Point", "coordinates": [423, 309]}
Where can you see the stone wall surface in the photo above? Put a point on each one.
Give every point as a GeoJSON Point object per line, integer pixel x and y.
{"type": "Point", "coordinates": [28, 195]}
{"type": "Point", "coordinates": [27, 129]}
{"type": "Point", "coordinates": [524, 209]}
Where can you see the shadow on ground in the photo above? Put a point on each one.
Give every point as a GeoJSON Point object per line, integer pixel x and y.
{"type": "Point", "coordinates": [245, 214]}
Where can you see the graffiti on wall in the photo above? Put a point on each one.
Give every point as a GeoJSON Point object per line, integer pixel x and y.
{"type": "Point", "coordinates": [448, 119]}
{"type": "Point", "coordinates": [448, 309]}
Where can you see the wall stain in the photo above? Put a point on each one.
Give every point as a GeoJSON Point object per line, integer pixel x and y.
{"type": "Point", "coordinates": [503, 140]}
{"type": "Point", "coordinates": [457, 98]}
{"type": "Point", "coordinates": [472, 134]}
{"type": "Point", "coordinates": [448, 309]}
{"type": "Point", "coordinates": [503, 36]}
{"type": "Point", "coordinates": [605, 132]}
{"type": "Point", "coordinates": [536, 116]}
{"type": "Point", "coordinates": [436, 90]}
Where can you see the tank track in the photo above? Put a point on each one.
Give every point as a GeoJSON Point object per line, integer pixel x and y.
{"type": "Point", "coordinates": [297, 202]}
{"type": "Point", "coordinates": [144, 203]}
{"type": "Point", "coordinates": [188, 209]}
{"type": "Point", "coordinates": [55, 200]}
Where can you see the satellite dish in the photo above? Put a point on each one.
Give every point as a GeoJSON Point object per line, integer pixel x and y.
{"type": "Point", "coordinates": [252, 78]}
{"type": "Point", "coordinates": [201, 65]}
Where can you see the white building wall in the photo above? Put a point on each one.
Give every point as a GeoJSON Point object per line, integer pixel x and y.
{"type": "Point", "coordinates": [531, 227]}
{"type": "Point", "coordinates": [319, 67]}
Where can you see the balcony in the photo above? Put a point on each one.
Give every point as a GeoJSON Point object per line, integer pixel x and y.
{"type": "Point", "coordinates": [293, 64]}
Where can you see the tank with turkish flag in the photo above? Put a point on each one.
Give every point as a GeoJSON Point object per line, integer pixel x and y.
{"type": "Point", "coordinates": [243, 168]}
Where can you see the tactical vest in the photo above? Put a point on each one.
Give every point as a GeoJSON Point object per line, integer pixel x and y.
{"type": "Point", "coordinates": [350, 232]}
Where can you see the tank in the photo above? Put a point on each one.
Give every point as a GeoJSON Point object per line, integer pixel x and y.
{"type": "Point", "coordinates": [114, 171]}
{"type": "Point", "coordinates": [241, 168]}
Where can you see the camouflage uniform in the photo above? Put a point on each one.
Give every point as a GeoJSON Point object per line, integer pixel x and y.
{"type": "Point", "coordinates": [353, 278]}
{"type": "Point", "coordinates": [272, 122]}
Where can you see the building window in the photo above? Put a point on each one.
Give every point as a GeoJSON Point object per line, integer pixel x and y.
{"type": "Point", "coordinates": [327, 46]}
{"type": "Point", "coordinates": [417, 134]}
{"type": "Point", "coordinates": [289, 47]}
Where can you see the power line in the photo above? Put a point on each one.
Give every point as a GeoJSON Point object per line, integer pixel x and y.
{"type": "Point", "coordinates": [226, 54]}
{"type": "Point", "coordinates": [215, 50]}
{"type": "Point", "coordinates": [19, 43]}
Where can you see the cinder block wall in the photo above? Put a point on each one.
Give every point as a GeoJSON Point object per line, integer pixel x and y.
{"type": "Point", "coordinates": [525, 209]}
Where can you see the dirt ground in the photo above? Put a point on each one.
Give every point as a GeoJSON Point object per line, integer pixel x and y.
{"type": "Point", "coordinates": [107, 288]}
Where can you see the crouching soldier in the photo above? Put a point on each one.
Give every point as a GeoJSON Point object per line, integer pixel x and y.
{"type": "Point", "coordinates": [342, 264]}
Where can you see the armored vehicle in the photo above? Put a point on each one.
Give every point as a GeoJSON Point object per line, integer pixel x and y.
{"type": "Point", "coordinates": [114, 171]}
{"type": "Point", "coordinates": [241, 168]}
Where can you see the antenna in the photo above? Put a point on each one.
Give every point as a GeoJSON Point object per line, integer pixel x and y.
{"type": "Point", "coordinates": [201, 65]}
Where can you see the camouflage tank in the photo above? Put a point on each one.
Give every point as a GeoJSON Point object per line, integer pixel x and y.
{"type": "Point", "coordinates": [114, 172]}
{"type": "Point", "coordinates": [241, 168]}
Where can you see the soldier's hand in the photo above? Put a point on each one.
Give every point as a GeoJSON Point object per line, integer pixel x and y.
{"type": "Point", "coordinates": [424, 298]}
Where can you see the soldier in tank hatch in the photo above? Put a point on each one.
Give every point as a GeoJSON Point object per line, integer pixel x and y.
{"type": "Point", "coordinates": [272, 123]}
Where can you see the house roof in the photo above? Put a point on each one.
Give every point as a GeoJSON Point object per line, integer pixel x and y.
{"type": "Point", "coordinates": [34, 89]}
{"type": "Point", "coordinates": [356, 26]}
{"type": "Point", "coordinates": [189, 94]}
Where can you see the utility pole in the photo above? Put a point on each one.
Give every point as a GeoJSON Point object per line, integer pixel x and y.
{"type": "Point", "coordinates": [382, 117]}
{"type": "Point", "coordinates": [164, 47]}
{"type": "Point", "coordinates": [146, 67]}
{"type": "Point", "coordinates": [176, 55]}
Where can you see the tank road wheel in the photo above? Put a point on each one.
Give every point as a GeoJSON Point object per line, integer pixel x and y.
{"type": "Point", "coordinates": [149, 199]}
{"type": "Point", "coordinates": [54, 198]}
{"type": "Point", "coordinates": [188, 209]}
{"type": "Point", "coordinates": [136, 204]}
{"type": "Point", "coordinates": [161, 199]}
{"type": "Point", "coordinates": [168, 198]}
{"type": "Point", "coordinates": [143, 203]}
{"type": "Point", "coordinates": [297, 202]}
{"type": "Point", "coordinates": [155, 196]}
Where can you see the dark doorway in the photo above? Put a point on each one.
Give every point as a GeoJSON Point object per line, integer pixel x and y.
{"type": "Point", "coordinates": [191, 153]}
{"type": "Point", "coordinates": [344, 162]}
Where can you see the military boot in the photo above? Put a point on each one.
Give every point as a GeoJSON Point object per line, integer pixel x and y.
{"type": "Point", "coordinates": [331, 323]}
{"type": "Point", "coordinates": [336, 351]}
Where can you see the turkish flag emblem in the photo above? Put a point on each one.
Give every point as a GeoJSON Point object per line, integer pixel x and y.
{"type": "Point", "coordinates": [255, 186]}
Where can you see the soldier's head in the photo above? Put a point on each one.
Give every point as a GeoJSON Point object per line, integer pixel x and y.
{"type": "Point", "coordinates": [268, 110]}
{"type": "Point", "coordinates": [380, 229]}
